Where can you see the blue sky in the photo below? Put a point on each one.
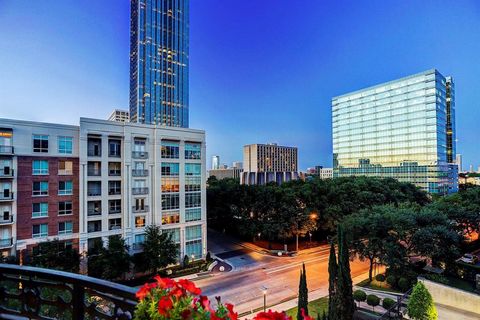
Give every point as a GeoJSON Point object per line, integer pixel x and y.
{"type": "Point", "coordinates": [260, 70]}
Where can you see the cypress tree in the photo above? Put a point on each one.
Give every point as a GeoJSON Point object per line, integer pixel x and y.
{"type": "Point", "coordinates": [344, 285]}
{"type": "Point", "coordinates": [332, 283]}
{"type": "Point", "coordinates": [302, 294]}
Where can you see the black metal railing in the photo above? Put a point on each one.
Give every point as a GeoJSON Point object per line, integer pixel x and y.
{"type": "Point", "coordinates": [139, 191]}
{"type": "Point", "coordinates": [6, 173]}
{"type": "Point", "coordinates": [6, 243]}
{"type": "Point", "coordinates": [6, 196]}
{"type": "Point", "coordinates": [139, 209]}
{"type": "Point", "coordinates": [399, 308]}
{"type": "Point", "coordinates": [6, 221]}
{"type": "Point", "coordinates": [139, 173]}
{"type": "Point", "coordinates": [139, 154]}
{"type": "Point", "coordinates": [36, 293]}
{"type": "Point", "coordinates": [6, 150]}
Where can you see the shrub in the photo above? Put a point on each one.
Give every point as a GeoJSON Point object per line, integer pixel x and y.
{"type": "Point", "coordinates": [380, 277]}
{"type": "Point", "coordinates": [403, 284]}
{"type": "Point", "coordinates": [186, 260]}
{"type": "Point", "coordinates": [359, 296]}
{"type": "Point", "coordinates": [387, 303]}
{"type": "Point", "coordinates": [373, 301]}
{"type": "Point", "coordinates": [392, 280]}
{"type": "Point", "coordinates": [420, 305]}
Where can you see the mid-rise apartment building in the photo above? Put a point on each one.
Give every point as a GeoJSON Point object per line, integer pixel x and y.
{"type": "Point", "coordinates": [404, 129]}
{"type": "Point", "coordinates": [119, 116]}
{"type": "Point", "coordinates": [233, 173]}
{"type": "Point", "coordinates": [265, 163]}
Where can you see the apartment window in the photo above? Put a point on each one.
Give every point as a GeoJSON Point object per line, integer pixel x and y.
{"type": "Point", "coordinates": [65, 167]}
{"type": "Point", "coordinates": [139, 144]}
{"type": "Point", "coordinates": [40, 188]}
{"type": "Point", "coordinates": [170, 184]}
{"type": "Point", "coordinates": [140, 222]}
{"type": "Point", "coordinates": [40, 210]}
{"type": "Point", "coordinates": [139, 204]}
{"type": "Point", "coordinates": [65, 227]}
{"type": "Point", "coordinates": [94, 226]}
{"type": "Point", "coordinates": [40, 167]}
{"type": "Point", "coordinates": [65, 208]}
{"type": "Point", "coordinates": [170, 217]}
{"type": "Point", "coordinates": [114, 169]}
{"type": "Point", "coordinates": [193, 232]}
{"type": "Point", "coordinates": [170, 150]}
{"type": "Point", "coordinates": [114, 187]}
{"type": "Point", "coordinates": [193, 200]}
{"type": "Point", "coordinates": [65, 188]}
{"type": "Point", "coordinates": [114, 206]}
{"type": "Point", "coordinates": [40, 230]}
{"type": "Point", "coordinates": [174, 233]}
{"type": "Point", "coordinates": [193, 241]}
{"type": "Point", "coordinates": [193, 169]}
{"type": "Point", "coordinates": [115, 224]}
{"type": "Point", "coordinates": [193, 150]}
{"type": "Point", "coordinates": [94, 188]}
{"type": "Point", "coordinates": [94, 168]}
{"type": "Point", "coordinates": [170, 169]}
{"type": "Point", "coordinates": [139, 240]}
{"type": "Point", "coordinates": [193, 214]}
{"type": "Point", "coordinates": [94, 208]}
{"type": "Point", "coordinates": [114, 148]}
{"type": "Point", "coordinates": [193, 183]}
{"type": "Point", "coordinates": [94, 147]}
{"type": "Point", "coordinates": [65, 145]}
{"type": "Point", "coordinates": [170, 201]}
{"type": "Point", "coordinates": [40, 143]}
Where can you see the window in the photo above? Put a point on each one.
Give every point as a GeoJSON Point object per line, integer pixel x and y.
{"type": "Point", "coordinates": [192, 183]}
{"type": "Point", "coordinates": [193, 232]}
{"type": "Point", "coordinates": [115, 224]}
{"type": "Point", "coordinates": [94, 168]}
{"type": "Point", "coordinates": [65, 167]}
{"type": "Point", "coordinates": [65, 145]}
{"type": "Point", "coordinates": [170, 150]}
{"type": "Point", "coordinates": [94, 208]}
{"type": "Point", "coordinates": [193, 249]}
{"type": "Point", "coordinates": [193, 200]}
{"type": "Point", "coordinates": [170, 201]}
{"type": "Point", "coordinates": [94, 188]}
{"type": "Point", "coordinates": [94, 226]}
{"type": "Point", "coordinates": [170, 217]}
{"type": "Point", "coordinates": [114, 169]}
{"type": "Point", "coordinates": [139, 240]}
{"type": "Point", "coordinates": [175, 234]}
{"type": "Point", "coordinates": [193, 169]}
{"type": "Point", "coordinates": [170, 169]}
{"type": "Point", "coordinates": [114, 187]}
{"type": "Point", "coordinates": [114, 148]}
{"type": "Point", "coordinates": [40, 167]}
{"type": "Point", "coordinates": [40, 188]}
{"type": "Point", "coordinates": [193, 150]}
{"type": "Point", "coordinates": [39, 230]}
{"type": "Point", "coordinates": [140, 222]}
{"type": "Point", "coordinates": [40, 143]}
{"type": "Point", "coordinates": [65, 188]}
{"type": "Point", "coordinates": [114, 206]}
{"type": "Point", "coordinates": [193, 214]}
{"type": "Point", "coordinates": [94, 147]}
{"type": "Point", "coordinates": [65, 227]}
{"type": "Point", "coordinates": [40, 210]}
{"type": "Point", "coordinates": [170, 184]}
{"type": "Point", "coordinates": [65, 208]}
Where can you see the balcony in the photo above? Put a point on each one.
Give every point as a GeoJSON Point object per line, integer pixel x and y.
{"type": "Point", "coordinates": [140, 209]}
{"type": "Point", "coordinates": [6, 221]}
{"type": "Point", "coordinates": [139, 191]}
{"type": "Point", "coordinates": [139, 154]}
{"type": "Point", "coordinates": [6, 243]}
{"type": "Point", "coordinates": [114, 227]}
{"type": "Point", "coordinates": [88, 298]}
{"type": "Point", "coordinates": [6, 173]}
{"type": "Point", "coordinates": [139, 173]}
{"type": "Point", "coordinates": [6, 196]}
{"type": "Point", "coordinates": [6, 150]}
{"type": "Point", "coordinates": [94, 193]}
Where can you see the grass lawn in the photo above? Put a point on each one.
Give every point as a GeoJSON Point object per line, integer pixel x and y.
{"type": "Point", "coordinates": [314, 307]}
{"type": "Point", "coordinates": [377, 285]}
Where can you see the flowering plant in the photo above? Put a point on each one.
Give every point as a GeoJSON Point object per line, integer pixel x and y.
{"type": "Point", "coordinates": [182, 300]}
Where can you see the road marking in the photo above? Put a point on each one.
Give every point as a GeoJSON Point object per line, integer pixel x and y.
{"type": "Point", "coordinates": [297, 264]}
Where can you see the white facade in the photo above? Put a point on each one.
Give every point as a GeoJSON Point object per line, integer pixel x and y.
{"type": "Point", "coordinates": [119, 115]}
{"type": "Point", "coordinates": [215, 162]}
{"type": "Point", "coordinates": [325, 173]}
{"type": "Point", "coordinates": [123, 187]}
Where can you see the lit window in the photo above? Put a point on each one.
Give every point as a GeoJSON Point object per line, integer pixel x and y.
{"type": "Point", "coordinates": [65, 167]}
{"type": "Point", "coordinates": [140, 222]}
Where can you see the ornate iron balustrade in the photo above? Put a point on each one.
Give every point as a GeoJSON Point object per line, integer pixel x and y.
{"type": "Point", "coordinates": [36, 293]}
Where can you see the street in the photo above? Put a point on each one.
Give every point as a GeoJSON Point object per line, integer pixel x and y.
{"type": "Point", "coordinates": [253, 270]}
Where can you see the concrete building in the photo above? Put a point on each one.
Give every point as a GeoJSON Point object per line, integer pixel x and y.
{"type": "Point", "coordinates": [458, 161]}
{"type": "Point", "coordinates": [325, 173]}
{"type": "Point", "coordinates": [84, 183]}
{"type": "Point", "coordinates": [233, 173]}
{"type": "Point", "coordinates": [215, 162]}
{"type": "Point", "coordinates": [404, 129]}
{"type": "Point", "coordinates": [119, 116]}
{"type": "Point", "coordinates": [237, 165]}
{"type": "Point", "coordinates": [265, 163]}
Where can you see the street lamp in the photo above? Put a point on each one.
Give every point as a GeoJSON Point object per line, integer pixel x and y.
{"type": "Point", "coordinates": [264, 291]}
{"type": "Point", "coordinates": [310, 234]}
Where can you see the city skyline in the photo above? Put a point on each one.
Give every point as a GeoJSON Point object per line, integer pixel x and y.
{"type": "Point", "coordinates": [223, 90]}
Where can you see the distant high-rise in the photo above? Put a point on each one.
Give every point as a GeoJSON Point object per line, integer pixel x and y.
{"type": "Point", "coordinates": [215, 162]}
{"type": "Point", "coordinates": [458, 161]}
{"type": "Point", "coordinates": [404, 129]}
{"type": "Point", "coordinates": [119, 116]}
{"type": "Point", "coordinates": [159, 49]}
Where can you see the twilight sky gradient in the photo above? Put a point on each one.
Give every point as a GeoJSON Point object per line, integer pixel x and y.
{"type": "Point", "coordinates": [260, 70]}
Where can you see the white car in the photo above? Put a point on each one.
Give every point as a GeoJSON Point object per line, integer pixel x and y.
{"type": "Point", "coordinates": [469, 258]}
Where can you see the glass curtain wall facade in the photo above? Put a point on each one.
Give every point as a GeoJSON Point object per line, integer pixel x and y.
{"type": "Point", "coordinates": [404, 129]}
{"type": "Point", "coordinates": [159, 49]}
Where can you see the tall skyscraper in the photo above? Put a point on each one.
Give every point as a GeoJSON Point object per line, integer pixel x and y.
{"type": "Point", "coordinates": [404, 129]}
{"type": "Point", "coordinates": [458, 161]}
{"type": "Point", "coordinates": [159, 48]}
{"type": "Point", "coordinates": [215, 162]}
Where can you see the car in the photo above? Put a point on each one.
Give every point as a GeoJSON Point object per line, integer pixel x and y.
{"type": "Point", "coordinates": [469, 258]}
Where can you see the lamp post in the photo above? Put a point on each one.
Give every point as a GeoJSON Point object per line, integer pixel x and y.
{"type": "Point", "coordinates": [264, 299]}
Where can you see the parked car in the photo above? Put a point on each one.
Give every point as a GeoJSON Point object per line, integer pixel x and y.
{"type": "Point", "coordinates": [469, 258]}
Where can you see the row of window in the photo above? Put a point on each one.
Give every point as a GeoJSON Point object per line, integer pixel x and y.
{"type": "Point", "coordinates": [172, 201]}
{"type": "Point", "coordinates": [40, 209]}
{"type": "Point", "coordinates": [41, 230]}
{"type": "Point", "coordinates": [40, 167]}
{"type": "Point", "coordinates": [40, 144]}
{"type": "Point", "coordinates": [40, 188]}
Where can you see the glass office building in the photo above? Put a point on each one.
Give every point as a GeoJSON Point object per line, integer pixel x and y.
{"type": "Point", "coordinates": [403, 129]}
{"type": "Point", "coordinates": [159, 48]}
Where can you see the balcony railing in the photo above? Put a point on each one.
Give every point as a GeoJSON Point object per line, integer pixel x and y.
{"type": "Point", "coordinates": [114, 210]}
{"type": "Point", "coordinates": [6, 197]}
{"type": "Point", "coordinates": [6, 150]}
{"type": "Point", "coordinates": [139, 154]}
{"type": "Point", "coordinates": [94, 193]}
{"type": "Point", "coordinates": [6, 243]}
{"type": "Point", "coordinates": [6, 173]}
{"type": "Point", "coordinates": [139, 172]}
{"type": "Point", "coordinates": [139, 209]}
{"type": "Point", "coordinates": [6, 221]}
{"type": "Point", "coordinates": [114, 227]}
{"type": "Point", "coordinates": [139, 191]}
{"type": "Point", "coordinates": [94, 173]}
{"type": "Point", "coordinates": [94, 213]}
{"type": "Point", "coordinates": [37, 293]}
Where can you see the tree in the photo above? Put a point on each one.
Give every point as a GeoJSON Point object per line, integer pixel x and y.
{"type": "Point", "coordinates": [345, 295]}
{"type": "Point", "coordinates": [403, 284]}
{"type": "Point", "coordinates": [388, 303]}
{"type": "Point", "coordinates": [332, 283]}
{"type": "Point", "coordinates": [159, 248]}
{"type": "Point", "coordinates": [302, 294]}
{"type": "Point", "coordinates": [420, 304]}
{"type": "Point", "coordinates": [359, 296]}
{"type": "Point", "coordinates": [373, 301]}
{"type": "Point", "coordinates": [54, 254]}
{"type": "Point", "coordinates": [109, 262]}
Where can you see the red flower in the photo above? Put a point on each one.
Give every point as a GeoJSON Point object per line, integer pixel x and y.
{"type": "Point", "coordinates": [272, 315]}
{"type": "Point", "coordinates": [205, 303]}
{"type": "Point", "coordinates": [164, 283]}
{"type": "Point", "coordinates": [186, 314]}
{"type": "Point", "coordinates": [177, 292]}
{"type": "Point", "coordinates": [189, 286]}
{"type": "Point", "coordinates": [305, 317]}
{"type": "Point", "coordinates": [164, 305]}
{"type": "Point", "coordinates": [145, 290]}
{"type": "Point", "coordinates": [231, 314]}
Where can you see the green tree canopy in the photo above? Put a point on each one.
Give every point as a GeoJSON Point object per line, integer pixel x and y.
{"type": "Point", "coordinates": [159, 249]}
{"type": "Point", "coordinates": [420, 304]}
